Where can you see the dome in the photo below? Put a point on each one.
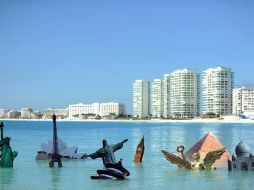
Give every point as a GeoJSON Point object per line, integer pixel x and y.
{"type": "Point", "coordinates": [242, 149]}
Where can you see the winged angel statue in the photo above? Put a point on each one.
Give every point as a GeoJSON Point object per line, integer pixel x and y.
{"type": "Point", "coordinates": [196, 164]}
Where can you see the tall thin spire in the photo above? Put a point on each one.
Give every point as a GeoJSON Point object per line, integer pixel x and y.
{"type": "Point", "coordinates": [55, 157]}
{"type": "Point", "coordinates": [2, 127]}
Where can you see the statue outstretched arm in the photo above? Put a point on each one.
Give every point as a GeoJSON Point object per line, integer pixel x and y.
{"type": "Point", "coordinates": [119, 145]}
{"type": "Point", "coordinates": [98, 154]}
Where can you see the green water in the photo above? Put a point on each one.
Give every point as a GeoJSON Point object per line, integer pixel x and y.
{"type": "Point", "coordinates": [154, 173]}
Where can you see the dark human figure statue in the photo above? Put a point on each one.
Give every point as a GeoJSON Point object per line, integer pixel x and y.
{"type": "Point", "coordinates": [107, 152]}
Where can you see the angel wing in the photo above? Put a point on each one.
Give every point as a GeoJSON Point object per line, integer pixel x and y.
{"type": "Point", "coordinates": [179, 161]}
{"type": "Point", "coordinates": [212, 156]}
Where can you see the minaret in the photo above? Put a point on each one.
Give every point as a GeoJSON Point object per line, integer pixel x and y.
{"type": "Point", "coordinates": [55, 157]}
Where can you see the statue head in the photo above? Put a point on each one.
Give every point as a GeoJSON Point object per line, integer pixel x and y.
{"type": "Point", "coordinates": [104, 143]}
{"type": "Point", "coordinates": [196, 156]}
{"type": "Point", "coordinates": [6, 141]}
{"type": "Point", "coordinates": [180, 149]}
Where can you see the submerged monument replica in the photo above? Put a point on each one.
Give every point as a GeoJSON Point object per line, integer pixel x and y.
{"type": "Point", "coordinates": [7, 156]}
{"type": "Point", "coordinates": [113, 169]}
{"type": "Point", "coordinates": [207, 144]}
{"type": "Point", "coordinates": [55, 157]}
{"type": "Point", "coordinates": [107, 152]}
{"type": "Point", "coordinates": [244, 159]}
{"type": "Point", "coordinates": [140, 151]}
{"type": "Point", "coordinates": [65, 151]}
{"type": "Point", "coordinates": [203, 155]}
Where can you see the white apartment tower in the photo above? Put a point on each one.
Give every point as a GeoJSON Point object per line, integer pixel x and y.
{"type": "Point", "coordinates": [165, 96]}
{"type": "Point", "coordinates": [141, 98]}
{"type": "Point", "coordinates": [156, 98]}
{"type": "Point", "coordinates": [217, 91]}
{"type": "Point", "coordinates": [184, 93]}
{"type": "Point", "coordinates": [243, 101]}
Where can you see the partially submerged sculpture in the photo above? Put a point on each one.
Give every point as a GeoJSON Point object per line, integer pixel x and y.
{"type": "Point", "coordinates": [55, 157]}
{"type": "Point", "coordinates": [7, 156]}
{"type": "Point", "coordinates": [196, 164]}
{"type": "Point", "coordinates": [65, 151]}
{"type": "Point", "coordinates": [140, 151]}
{"type": "Point", "coordinates": [207, 153]}
{"type": "Point", "coordinates": [207, 144]}
{"type": "Point", "coordinates": [114, 170]}
{"type": "Point", "coordinates": [107, 152]}
{"type": "Point", "coordinates": [244, 159]}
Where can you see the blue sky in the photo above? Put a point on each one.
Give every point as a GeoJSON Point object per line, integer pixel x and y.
{"type": "Point", "coordinates": [55, 53]}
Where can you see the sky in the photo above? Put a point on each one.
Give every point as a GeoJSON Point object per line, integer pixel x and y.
{"type": "Point", "coordinates": [56, 53]}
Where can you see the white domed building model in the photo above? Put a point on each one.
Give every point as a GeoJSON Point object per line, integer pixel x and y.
{"type": "Point", "coordinates": [244, 159]}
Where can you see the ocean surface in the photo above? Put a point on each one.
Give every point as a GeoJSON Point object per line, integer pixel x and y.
{"type": "Point", "coordinates": [154, 173]}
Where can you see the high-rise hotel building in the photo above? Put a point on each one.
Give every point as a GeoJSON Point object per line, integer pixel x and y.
{"type": "Point", "coordinates": [243, 101]}
{"type": "Point", "coordinates": [217, 89]}
{"type": "Point", "coordinates": [156, 98]}
{"type": "Point", "coordinates": [165, 96]}
{"type": "Point", "coordinates": [184, 93]}
{"type": "Point", "coordinates": [141, 98]}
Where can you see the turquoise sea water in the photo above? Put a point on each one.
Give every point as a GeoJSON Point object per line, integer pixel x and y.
{"type": "Point", "coordinates": [154, 173]}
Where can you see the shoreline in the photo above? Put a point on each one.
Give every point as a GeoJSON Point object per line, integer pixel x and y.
{"type": "Point", "coordinates": [241, 121]}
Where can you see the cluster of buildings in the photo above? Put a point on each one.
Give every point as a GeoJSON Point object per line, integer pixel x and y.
{"type": "Point", "coordinates": [181, 94]}
{"type": "Point", "coordinates": [24, 113]}
{"type": "Point", "coordinates": [83, 111]}
{"type": "Point", "coordinates": [186, 94]}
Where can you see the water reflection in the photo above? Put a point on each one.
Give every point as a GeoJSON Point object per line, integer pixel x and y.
{"type": "Point", "coordinates": [55, 177]}
{"type": "Point", "coordinates": [6, 176]}
{"type": "Point", "coordinates": [244, 179]}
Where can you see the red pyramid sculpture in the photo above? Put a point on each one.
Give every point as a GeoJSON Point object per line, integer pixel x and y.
{"type": "Point", "coordinates": [206, 144]}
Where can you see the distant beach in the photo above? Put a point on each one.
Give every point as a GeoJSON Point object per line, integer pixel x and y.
{"type": "Point", "coordinates": [142, 121]}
